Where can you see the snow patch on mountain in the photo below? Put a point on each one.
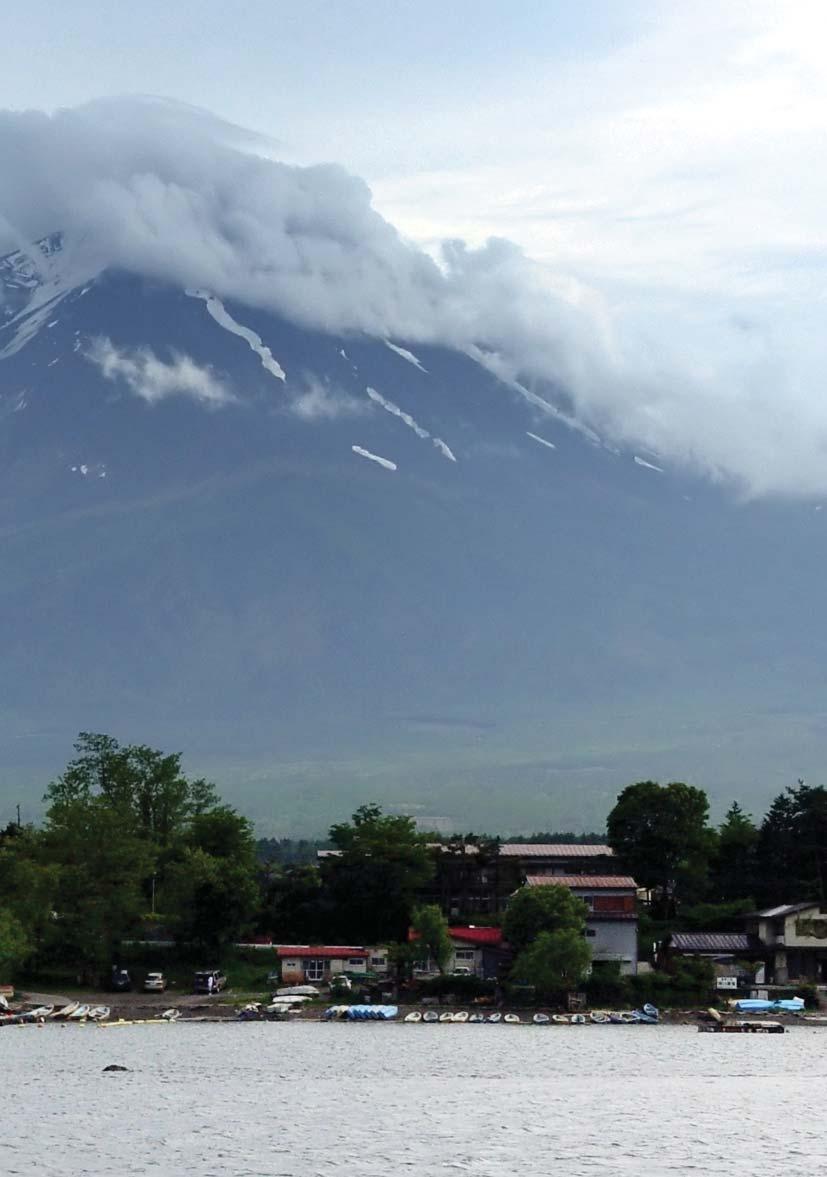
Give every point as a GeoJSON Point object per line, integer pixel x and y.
{"type": "Point", "coordinates": [154, 379]}
{"type": "Point", "coordinates": [386, 463]}
{"type": "Point", "coordinates": [217, 311]}
{"type": "Point", "coordinates": [408, 420]}
{"type": "Point", "coordinates": [406, 355]}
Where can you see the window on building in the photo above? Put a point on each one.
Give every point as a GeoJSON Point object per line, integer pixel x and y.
{"type": "Point", "coordinates": [377, 961]}
{"type": "Point", "coordinates": [464, 954]}
{"type": "Point", "coordinates": [590, 932]}
{"type": "Point", "coordinates": [356, 962]}
{"type": "Point", "coordinates": [314, 969]}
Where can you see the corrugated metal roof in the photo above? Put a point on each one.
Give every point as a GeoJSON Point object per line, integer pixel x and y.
{"type": "Point", "coordinates": [584, 882]}
{"type": "Point", "coordinates": [712, 942]}
{"type": "Point", "coordinates": [785, 909]}
{"type": "Point", "coordinates": [324, 952]}
{"type": "Point", "coordinates": [552, 850]}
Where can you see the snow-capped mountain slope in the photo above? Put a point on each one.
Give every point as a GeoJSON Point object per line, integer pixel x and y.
{"type": "Point", "coordinates": [340, 567]}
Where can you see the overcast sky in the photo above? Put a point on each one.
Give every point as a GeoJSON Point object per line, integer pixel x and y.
{"type": "Point", "coordinates": [665, 162]}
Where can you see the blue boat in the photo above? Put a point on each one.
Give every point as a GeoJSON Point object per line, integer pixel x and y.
{"type": "Point", "coordinates": [648, 1016]}
{"type": "Point", "coordinates": [372, 1013]}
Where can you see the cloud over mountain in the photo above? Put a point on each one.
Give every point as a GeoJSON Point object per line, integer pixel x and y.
{"type": "Point", "coordinates": [173, 193]}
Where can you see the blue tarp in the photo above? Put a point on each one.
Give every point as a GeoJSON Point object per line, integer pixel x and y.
{"type": "Point", "coordinates": [756, 1005]}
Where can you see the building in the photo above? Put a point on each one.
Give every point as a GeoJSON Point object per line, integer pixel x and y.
{"type": "Point", "coordinates": [611, 924]}
{"type": "Point", "coordinates": [794, 937]}
{"type": "Point", "coordinates": [476, 951]}
{"type": "Point", "coordinates": [321, 963]}
{"type": "Point", "coordinates": [559, 858]}
{"type": "Point", "coordinates": [738, 959]}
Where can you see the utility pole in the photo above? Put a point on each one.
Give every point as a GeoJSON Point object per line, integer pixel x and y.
{"type": "Point", "coordinates": [19, 826]}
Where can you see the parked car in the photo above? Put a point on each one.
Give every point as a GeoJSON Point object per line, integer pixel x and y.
{"type": "Point", "coordinates": [120, 980]}
{"type": "Point", "coordinates": [209, 981]}
{"type": "Point", "coordinates": [155, 983]}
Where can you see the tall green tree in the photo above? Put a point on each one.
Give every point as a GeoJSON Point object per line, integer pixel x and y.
{"type": "Point", "coordinates": [792, 846]}
{"type": "Point", "coordinates": [431, 928]}
{"type": "Point", "coordinates": [211, 892]}
{"type": "Point", "coordinates": [548, 908]}
{"type": "Point", "coordinates": [373, 879]}
{"type": "Point", "coordinates": [102, 863]}
{"type": "Point", "coordinates": [660, 835]}
{"type": "Point", "coordinates": [553, 962]}
{"type": "Point", "coordinates": [145, 785]}
{"type": "Point", "coordinates": [733, 867]}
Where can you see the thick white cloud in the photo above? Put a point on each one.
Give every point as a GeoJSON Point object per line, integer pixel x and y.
{"type": "Point", "coordinates": [154, 379]}
{"type": "Point", "coordinates": [731, 387]}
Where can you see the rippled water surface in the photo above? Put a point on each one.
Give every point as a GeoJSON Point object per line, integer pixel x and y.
{"type": "Point", "coordinates": [363, 1099]}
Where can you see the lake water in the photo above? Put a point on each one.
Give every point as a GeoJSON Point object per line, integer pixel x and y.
{"type": "Point", "coordinates": [302, 1099]}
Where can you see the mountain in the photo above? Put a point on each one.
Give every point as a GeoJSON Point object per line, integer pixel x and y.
{"type": "Point", "coordinates": [333, 567]}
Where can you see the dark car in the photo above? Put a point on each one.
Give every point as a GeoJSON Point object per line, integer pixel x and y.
{"type": "Point", "coordinates": [120, 981]}
{"type": "Point", "coordinates": [209, 981]}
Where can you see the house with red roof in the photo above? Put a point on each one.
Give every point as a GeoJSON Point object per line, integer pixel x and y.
{"type": "Point", "coordinates": [314, 964]}
{"type": "Point", "coordinates": [476, 951]}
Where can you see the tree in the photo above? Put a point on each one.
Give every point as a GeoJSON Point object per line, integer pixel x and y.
{"type": "Point", "coordinates": [555, 961]}
{"type": "Point", "coordinates": [102, 863]}
{"type": "Point", "coordinates": [791, 852]}
{"type": "Point", "coordinates": [659, 833]}
{"type": "Point", "coordinates": [373, 879]}
{"type": "Point", "coordinates": [146, 786]}
{"type": "Point", "coordinates": [294, 906]}
{"type": "Point", "coordinates": [547, 908]}
{"type": "Point", "coordinates": [733, 865]}
{"type": "Point", "coordinates": [211, 892]}
{"type": "Point", "coordinates": [15, 945]}
{"type": "Point", "coordinates": [432, 929]}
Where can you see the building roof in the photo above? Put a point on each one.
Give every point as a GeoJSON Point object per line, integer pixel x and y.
{"type": "Point", "coordinates": [785, 909]}
{"type": "Point", "coordinates": [584, 882]}
{"type": "Point", "coordinates": [323, 952]}
{"type": "Point", "coordinates": [712, 942]}
{"type": "Point", "coordinates": [470, 934]}
{"type": "Point", "coordinates": [477, 935]}
{"type": "Point", "coordinates": [554, 850]}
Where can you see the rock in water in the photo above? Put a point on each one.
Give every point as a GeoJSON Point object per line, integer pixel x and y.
{"type": "Point", "coordinates": [115, 1067]}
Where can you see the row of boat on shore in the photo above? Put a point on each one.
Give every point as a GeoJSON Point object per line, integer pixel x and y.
{"type": "Point", "coordinates": [75, 1012]}
{"type": "Point", "coordinates": [376, 1013]}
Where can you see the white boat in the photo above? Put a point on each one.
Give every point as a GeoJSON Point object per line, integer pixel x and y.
{"type": "Point", "coordinates": [65, 1011]}
{"type": "Point", "coordinates": [79, 1014]}
{"type": "Point", "coordinates": [512, 1019]}
{"type": "Point", "coordinates": [578, 1019]}
{"type": "Point", "coordinates": [40, 1012]}
{"type": "Point", "coordinates": [99, 1013]}
{"type": "Point", "coordinates": [446, 1017]}
{"type": "Point", "coordinates": [541, 1019]}
{"type": "Point", "coordinates": [561, 1019]}
{"type": "Point", "coordinates": [477, 1017]}
{"type": "Point", "coordinates": [462, 1016]}
{"type": "Point", "coordinates": [297, 991]}
{"type": "Point", "coordinates": [413, 1016]}
{"type": "Point", "coordinates": [171, 1015]}
{"type": "Point", "coordinates": [430, 1016]}
{"type": "Point", "coordinates": [494, 1019]}
{"type": "Point", "coordinates": [287, 999]}
{"type": "Point", "coordinates": [599, 1017]}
